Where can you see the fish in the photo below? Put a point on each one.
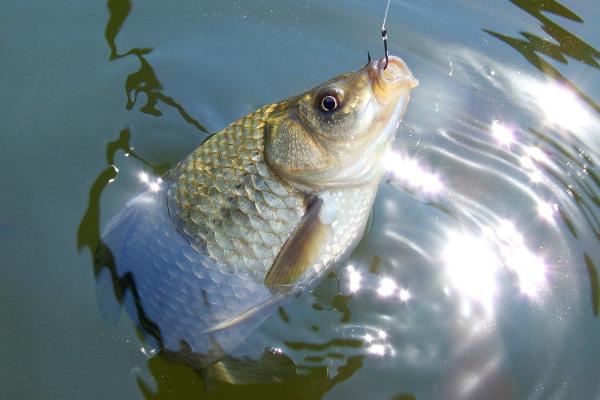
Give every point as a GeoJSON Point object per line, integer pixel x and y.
{"type": "Point", "coordinates": [258, 213]}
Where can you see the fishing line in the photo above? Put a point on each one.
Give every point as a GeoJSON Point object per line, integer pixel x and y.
{"type": "Point", "coordinates": [384, 34]}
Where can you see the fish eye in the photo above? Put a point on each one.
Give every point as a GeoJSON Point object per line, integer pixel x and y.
{"type": "Point", "coordinates": [328, 101]}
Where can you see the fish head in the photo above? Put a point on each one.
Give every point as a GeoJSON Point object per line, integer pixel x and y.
{"type": "Point", "coordinates": [336, 134]}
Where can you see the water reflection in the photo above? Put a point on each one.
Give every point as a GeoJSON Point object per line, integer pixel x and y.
{"type": "Point", "coordinates": [404, 295]}
{"type": "Point", "coordinates": [174, 381]}
{"type": "Point", "coordinates": [152, 184]}
{"type": "Point", "coordinates": [508, 232]}
{"type": "Point", "coordinates": [532, 47]}
{"type": "Point", "coordinates": [565, 107]}
{"type": "Point", "coordinates": [502, 133]}
{"type": "Point", "coordinates": [144, 80]}
{"type": "Point", "coordinates": [559, 105]}
{"type": "Point", "coordinates": [472, 269]}
{"type": "Point", "coordinates": [354, 279]}
{"type": "Point", "coordinates": [387, 287]}
{"type": "Point", "coordinates": [473, 287]}
{"type": "Point", "coordinates": [410, 171]}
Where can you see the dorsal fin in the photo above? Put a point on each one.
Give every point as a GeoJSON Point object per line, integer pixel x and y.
{"type": "Point", "coordinates": [301, 249]}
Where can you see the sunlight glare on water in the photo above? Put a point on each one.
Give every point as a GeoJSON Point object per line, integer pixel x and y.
{"type": "Point", "coordinates": [412, 172]}
{"type": "Point", "coordinates": [472, 266]}
{"type": "Point", "coordinates": [478, 274]}
{"type": "Point", "coordinates": [559, 105]}
{"type": "Point", "coordinates": [502, 133]}
{"type": "Point", "coordinates": [153, 184]}
{"type": "Point", "coordinates": [354, 278]}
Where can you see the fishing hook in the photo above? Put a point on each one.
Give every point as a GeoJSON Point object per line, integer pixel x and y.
{"type": "Point", "coordinates": [384, 35]}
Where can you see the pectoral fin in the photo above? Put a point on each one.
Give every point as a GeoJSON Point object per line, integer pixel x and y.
{"type": "Point", "coordinates": [247, 314]}
{"type": "Point", "coordinates": [302, 248]}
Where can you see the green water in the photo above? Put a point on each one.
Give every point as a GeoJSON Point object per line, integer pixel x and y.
{"type": "Point", "coordinates": [486, 287]}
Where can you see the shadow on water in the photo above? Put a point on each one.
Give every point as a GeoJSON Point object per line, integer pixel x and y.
{"type": "Point", "coordinates": [144, 80]}
{"type": "Point", "coordinates": [593, 273]}
{"type": "Point", "coordinates": [533, 48]}
{"type": "Point", "coordinates": [88, 234]}
{"type": "Point", "coordinates": [179, 382]}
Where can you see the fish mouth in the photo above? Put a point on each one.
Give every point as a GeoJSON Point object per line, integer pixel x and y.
{"type": "Point", "coordinates": [390, 75]}
{"type": "Point", "coordinates": [390, 82]}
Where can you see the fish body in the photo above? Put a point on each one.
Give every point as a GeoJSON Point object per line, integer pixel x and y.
{"type": "Point", "coordinates": [260, 211]}
{"type": "Point", "coordinates": [227, 202]}
{"type": "Point", "coordinates": [174, 293]}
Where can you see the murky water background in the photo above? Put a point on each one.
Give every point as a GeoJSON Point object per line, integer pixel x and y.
{"type": "Point", "coordinates": [479, 277]}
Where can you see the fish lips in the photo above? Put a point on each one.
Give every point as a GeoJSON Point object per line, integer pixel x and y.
{"type": "Point", "coordinates": [389, 77]}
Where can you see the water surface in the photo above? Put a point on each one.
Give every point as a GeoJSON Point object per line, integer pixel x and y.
{"type": "Point", "coordinates": [479, 277]}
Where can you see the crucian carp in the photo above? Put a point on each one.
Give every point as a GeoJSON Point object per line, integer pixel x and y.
{"type": "Point", "coordinates": [259, 211]}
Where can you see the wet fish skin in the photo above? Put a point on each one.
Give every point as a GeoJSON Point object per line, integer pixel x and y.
{"type": "Point", "coordinates": [260, 210]}
{"type": "Point", "coordinates": [182, 292]}
{"type": "Point", "coordinates": [227, 202]}
{"type": "Point", "coordinates": [242, 194]}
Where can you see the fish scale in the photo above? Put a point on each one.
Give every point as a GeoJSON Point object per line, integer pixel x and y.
{"type": "Point", "coordinates": [226, 200]}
